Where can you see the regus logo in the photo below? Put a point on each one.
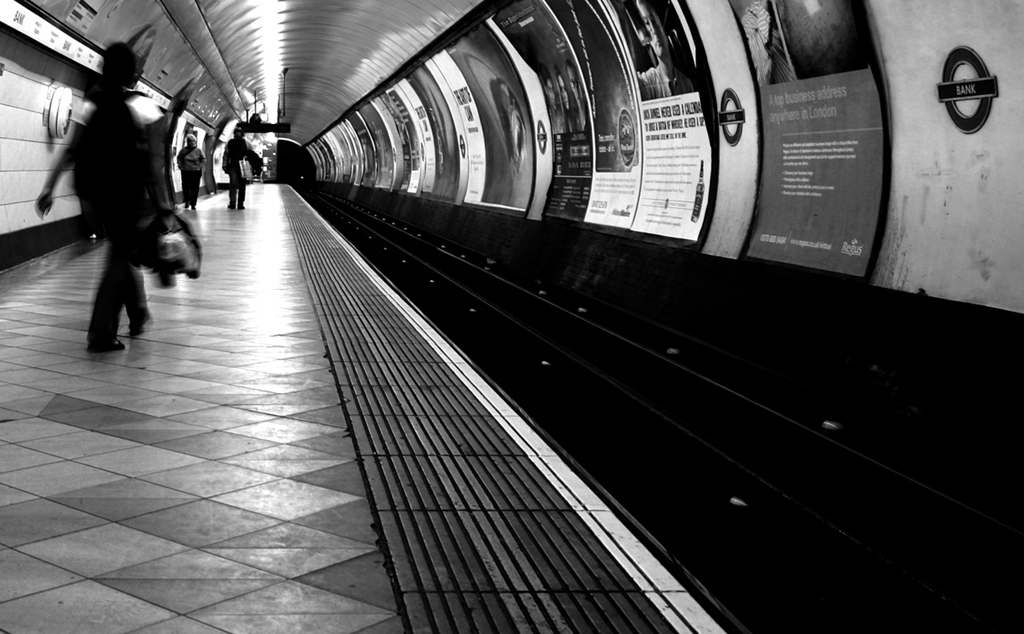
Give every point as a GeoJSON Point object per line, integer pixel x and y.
{"type": "Point", "coordinates": [852, 248]}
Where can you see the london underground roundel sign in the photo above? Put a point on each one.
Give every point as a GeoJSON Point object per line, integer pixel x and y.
{"type": "Point", "coordinates": [968, 99]}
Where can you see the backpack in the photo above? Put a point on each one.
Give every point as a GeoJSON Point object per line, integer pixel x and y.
{"type": "Point", "coordinates": [110, 156]}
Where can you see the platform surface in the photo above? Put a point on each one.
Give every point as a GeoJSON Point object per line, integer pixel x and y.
{"type": "Point", "coordinates": [289, 447]}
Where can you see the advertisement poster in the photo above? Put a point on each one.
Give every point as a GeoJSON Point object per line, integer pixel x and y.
{"type": "Point", "coordinates": [676, 142]}
{"type": "Point", "coordinates": [384, 152]}
{"type": "Point", "coordinates": [446, 139]}
{"type": "Point", "coordinates": [537, 35]}
{"type": "Point", "coordinates": [358, 162]}
{"type": "Point", "coordinates": [344, 171]}
{"type": "Point", "coordinates": [618, 144]}
{"type": "Point", "coordinates": [400, 110]}
{"type": "Point", "coordinates": [503, 117]}
{"type": "Point", "coordinates": [318, 159]}
{"type": "Point", "coordinates": [330, 162]}
{"type": "Point", "coordinates": [822, 182]}
{"type": "Point", "coordinates": [472, 145]}
{"type": "Point", "coordinates": [369, 161]}
{"type": "Point", "coordinates": [424, 136]}
{"type": "Point", "coordinates": [394, 139]}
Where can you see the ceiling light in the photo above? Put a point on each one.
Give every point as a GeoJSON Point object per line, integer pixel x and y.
{"type": "Point", "coordinates": [270, 45]}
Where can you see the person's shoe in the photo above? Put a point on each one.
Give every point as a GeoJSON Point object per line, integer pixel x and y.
{"type": "Point", "coordinates": [241, 206]}
{"type": "Point", "coordinates": [106, 346]}
{"type": "Point", "coordinates": [193, 207]}
{"type": "Point", "coordinates": [231, 206]}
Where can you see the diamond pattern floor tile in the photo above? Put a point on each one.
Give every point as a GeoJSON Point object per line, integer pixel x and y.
{"type": "Point", "coordinates": [32, 429]}
{"type": "Point", "coordinates": [286, 499]}
{"type": "Point", "coordinates": [201, 523]}
{"type": "Point", "coordinates": [191, 564]}
{"type": "Point", "coordinates": [98, 550]}
{"type": "Point", "coordinates": [13, 458]}
{"type": "Point", "coordinates": [208, 479]}
{"type": "Point", "coordinates": [354, 578]}
{"type": "Point", "coordinates": [39, 519]}
{"type": "Point", "coordinates": [55, 478]}
{"type": "Point", "coordinates": [294, 623]}
{"type": "Point", "coordinates": [186, 595]}
{"type": "Point", "coordinates": [24, 575]}
{"type": "Point", "coordinates": [108, 461]}
{"type": "Point", "coordinates": [79, 444]}
{"type": "Point", "coordinates": [123, 499]}
{"type": "Point", "coordinates": [83, 608]}
{"type": "Point", "coordinates": [291, 598]}
{"type": "Point", "coordinates": [290, 535]}
{"type": "Point", "coordinates": [139, 461]}
{"type": "Point", "coordinates": [290, 562]}
{"type": "Point", "coordinates": [183, 625]}
{"type": "Point", "coordinates": [10, 496]}
{"type": "Point", "coordinates": [215, 445]}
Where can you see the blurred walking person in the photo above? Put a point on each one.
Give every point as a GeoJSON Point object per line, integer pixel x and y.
{"type": "Point", "coordinates": [113, 171]}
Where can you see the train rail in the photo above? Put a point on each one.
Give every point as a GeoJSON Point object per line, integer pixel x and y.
{"type": "Point", "coordinates": [721, 466]}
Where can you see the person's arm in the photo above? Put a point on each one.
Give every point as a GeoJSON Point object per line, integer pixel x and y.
{"type": "Point", "coordinates": [44, 202]}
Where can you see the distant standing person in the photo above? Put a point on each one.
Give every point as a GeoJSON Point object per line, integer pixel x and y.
{"type": "Point", "coordinates": [234, 153]}
{"type": "Point", "coordinates": [191, 161]}
{"type": "Point", "coordinates": [113, 171]}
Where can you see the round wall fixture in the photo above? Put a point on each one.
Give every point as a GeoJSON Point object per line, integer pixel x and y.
{"type": "Point", "coordinates": [731, 116]}
{"type": "Point", "coordinates": [967, 89]}
{"type": "Point", "coordinates": [59, 119]}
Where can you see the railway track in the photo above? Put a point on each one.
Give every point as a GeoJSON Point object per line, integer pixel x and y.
{"type": "Point", "coordinates": [722, 467]}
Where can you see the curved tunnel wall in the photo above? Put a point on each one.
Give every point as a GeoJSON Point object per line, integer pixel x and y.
{"type": "Point", "coordinates": [847, 226]}
{"type": "Point", "coordinates": [913, 204]}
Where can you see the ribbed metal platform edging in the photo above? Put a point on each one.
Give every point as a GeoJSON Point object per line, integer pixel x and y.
{"type": "Point", "coordinates": [480, 540]}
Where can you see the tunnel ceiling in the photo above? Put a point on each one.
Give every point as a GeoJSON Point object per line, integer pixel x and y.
{"type": "Point", "coordinates": [209, 51]}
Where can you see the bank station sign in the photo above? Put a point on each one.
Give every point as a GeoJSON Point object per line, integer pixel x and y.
{"type": "Point", "coordinates": [968, 101]}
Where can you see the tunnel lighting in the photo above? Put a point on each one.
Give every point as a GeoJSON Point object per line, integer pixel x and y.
{"type": "Point", "coordinates": [270, 44]}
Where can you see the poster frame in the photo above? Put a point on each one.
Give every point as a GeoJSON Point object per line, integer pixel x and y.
{"type": "Point", "coordinates": [872, 52]}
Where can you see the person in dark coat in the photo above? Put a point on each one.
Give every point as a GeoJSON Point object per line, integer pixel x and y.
{"type": "Point", "coordinates": [234, 153]}
{"type": "Point", "coordinates": [113, 172]}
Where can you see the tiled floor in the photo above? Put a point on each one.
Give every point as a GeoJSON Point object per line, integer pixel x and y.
{"type": "Point", "coordinates": [199, 481]}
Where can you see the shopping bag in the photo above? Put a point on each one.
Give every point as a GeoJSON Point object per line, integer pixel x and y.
{"type": "Point", "coordinates": [246, 169]}
{"type": "Point", "coordinates": [169, 247]}
{"type": "Point", "coordinates": [176, 251]}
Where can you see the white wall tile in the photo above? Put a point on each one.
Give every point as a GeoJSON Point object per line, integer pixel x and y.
{"type": "Point", "coordinates": [23, 216]}
{"type": "Point", "coordinates": [16, 123]}
{"type": "Point", "coordinates": [27, 153]}
{"type": "Point", "coordinates": [18, 155]}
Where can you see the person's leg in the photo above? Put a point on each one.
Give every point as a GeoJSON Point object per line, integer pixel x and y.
{"type": "Point", "coordinates": [106, 311]}
{"type": "Point", "coordinates": [134, 297]}
{"type": "Point", "coordinates": [121, 285]}
{"type": "Point", "coordinates": [193, 188]}
{"type": "Point", "coordinates": [186, 188]}
{"type": "Point", "coordinates": [241, 192]}
{"type": "Point", "coordinates": [235, 177]}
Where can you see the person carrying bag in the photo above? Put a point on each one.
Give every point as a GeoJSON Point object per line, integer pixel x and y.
{"type": "Point", "coordinates": [234, 162]}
